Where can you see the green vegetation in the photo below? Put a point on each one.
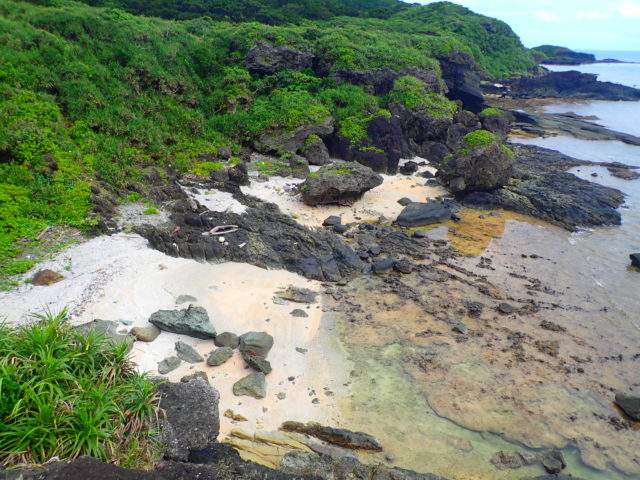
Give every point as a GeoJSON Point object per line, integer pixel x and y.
{"type": "Point", "coordinates": [204, 169]}
{"type": "Point", "coordinates": [91, 95]}
{"type": "Point", "coordinates": [480, 138]}
{"type": "Point", "coordinates": [413, 93]}
{"type": "Point", "coordinates": [508, 150]}
{"type": "Point", "coordinates": [491, 112]}
{"type": "Point", "coordinates": [66, 394]}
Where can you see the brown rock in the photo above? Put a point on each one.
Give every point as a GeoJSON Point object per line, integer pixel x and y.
{"type": "Point", "coordinates": [46, 277]}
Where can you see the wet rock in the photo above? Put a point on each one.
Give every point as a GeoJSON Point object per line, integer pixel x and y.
{"type": "Point", "coordinates": [256, 343]}
{"type": "Point", "coordinates": [108, 329]}
{"type": "Point", "coordinates": [193, 321]}
{"type": "Point", "coordinates": [198, 374]}
{"type": "Point", "coordinates": [227, 339]}
{"type": "Point", "coordinates": [185, 299]}
{"type": "Point", "coordinates": [336, 436]}
{"type": "Point", "coordinates": [403, 266]}
{"type": "Point", "coordinates": [146, 334]}
{"type": "Point", "coordinates": [635, 259]}
{"type": "Point", "coordinates": [418, 214]}
{"type": "Point", "coordinates": [630, 404]}
{"type": "Point", "coordinates": [257, 362]}
{"type": "Point", "coordinates": [168, 365]}
{"type": "Point", "coordinates": [331, 221]}
{"type": "Point", "coordinates": [253, 385]}
{"type": "Point", "coordinates": [46, 277]}
{"type": "Point", "coordinates": [506, 308]}
{"type": "Point", "coordinates": [552, 461]}
{"type": "Point", "coordinates": [315, 151]}
{"type": "Point", "coordinates": [191, 421]}
{"type": "Point", "coordinates": [404, 201]}
{"type": "Point", "coordinates": [298, 295]}
{"type": "Point", "coordinates": [375, 250]}
{"type": "Point", "coordinates": [340, 228]}
{"type": "Point", "coordinates": [409, 168]}
{"type": "Point", "coordinates": [299, 313]}
{"type": "Point", "coordinates": [420, 234]}
{"type": "Point", "coordinates": [219, 356]}
{"type": "Point", "coordinates": [383, 267]}
{"type": "Point", "coordinates": [187, 353]}
{"type": "Point", "coordinates": [339, 183]}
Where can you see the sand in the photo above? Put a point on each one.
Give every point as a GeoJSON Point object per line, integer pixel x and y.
{"type": "Point", "coordinates": [380, 201]}
{"type": "Point", "coordinates": [119, 278]}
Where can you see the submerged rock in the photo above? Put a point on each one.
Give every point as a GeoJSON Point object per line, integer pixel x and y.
{"type": "Point", "coordinates": [417, 214]}
{"type": "Point", "coordinates": [193, 321]}
{"type": "Point", "coordinates": [337, 436]}
{"type": "Point", "coordinates": [339, 182]}
{"type": "Point", "coordinates": [253, 385]}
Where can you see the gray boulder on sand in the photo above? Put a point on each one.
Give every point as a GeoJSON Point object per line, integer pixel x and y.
{"type": "Point", "coordinates": [146, 334]}
{"type": "Point", "coordinates": [339, 182]}
{"type": "Point", "coordinates": [219, 356]}
{"type": "Point", "coordinates": [168, 365]}
{"type": "Point", "coordinates": [257, 363]}
{"type": "Point", "coordinates": [256, 343]}
{"type": "Point", "coordinates": [227, 339]}
{"type": "Point", "coordinates": [254, 385]}
{"type": "Point", "coordinates": [417, 214]}
{"type": "Point", "coordinates": [315, 151]}
{"type": "Point", "coordinates": [192, 420]}
{"type": "Point", "coordinates": [193, 321]}
{"type": "Point", "coordinates": [188, 353]}
{"type": "Point", "coordinates": [629, 404]}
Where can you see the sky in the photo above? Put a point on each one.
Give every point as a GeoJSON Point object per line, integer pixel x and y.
{"type": "Point", "coordinates": [577, 24]}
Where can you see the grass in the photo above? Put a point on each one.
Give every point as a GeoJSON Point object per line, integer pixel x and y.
{"type": "Point", "coordinates": [66, 394]}
{"type": "Point", "coordinates": [480, 138]}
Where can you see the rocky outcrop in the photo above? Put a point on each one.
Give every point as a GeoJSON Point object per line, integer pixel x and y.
{"type": "Point", "coordinates": [497, 121]}
{"type": "Point", "coordinates": [381, 151]}
{"type": "Point", "coordinates": [272, 143]}
{"type": "Point", "coordinates": [542, 189]}
{"type": "Point", "coordinates": [563, 56]}
{"type": "Point", "coordinates": [571, 84]}
{"type": "Point", "coordinates": [339, 183]}
{"type": "Point", "coordinates": [382, 78]}
{"type": "Point", "coordinates": [191, 421]}
{"type": "Point", "coordinates": [193, 321]}
{"type": "Point", "coordinates": [265, 59]}
{"type": "Point", "coordinates": [422, 134]}
{"type": "Point", "coordinates": [477, 168]}
{"type": "Point", "coordinates": [568, 124]}
{"type": "Point", "coordinates": [265, 237]}
{"type": "Point", "coordinates": [460, 75]}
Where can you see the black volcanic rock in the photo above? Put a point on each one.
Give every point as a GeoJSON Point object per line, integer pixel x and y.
{"type": "Point", "coordinates": [339, 183]}
{"type": "Point", "coordinates": [265, 59]}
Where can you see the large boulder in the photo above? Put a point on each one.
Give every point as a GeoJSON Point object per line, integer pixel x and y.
{"type": "Point", "coordinates": [193, 321]}
{"type": "Point", "coordinates": [191, 421]}
{"type": "Point", "coordinates": [339, 183]}
{"type": "Point", "coordinates": [418, 214]}
{"type": "Point", "coordinates": [484, 164]}
{"type": "Point", "coordinates": [497, 121]}
{"type": "Point", "coordinates": [265, 59]}
{"type": "Point", "coordinates": [315, 151]}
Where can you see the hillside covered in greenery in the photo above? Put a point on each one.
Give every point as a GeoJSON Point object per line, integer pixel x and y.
{"type": "Point", "coordinates": [96, 97]}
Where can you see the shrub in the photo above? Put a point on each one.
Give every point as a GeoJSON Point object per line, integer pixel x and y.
{"type": "Point", "coordinates": [66, 394]}
{"type": "Point", "coordinates": [480, 138]}
{"type": "Point", "coordinates": [413, 93]}
{"type": "Point", "coordinates": [490, 112]}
